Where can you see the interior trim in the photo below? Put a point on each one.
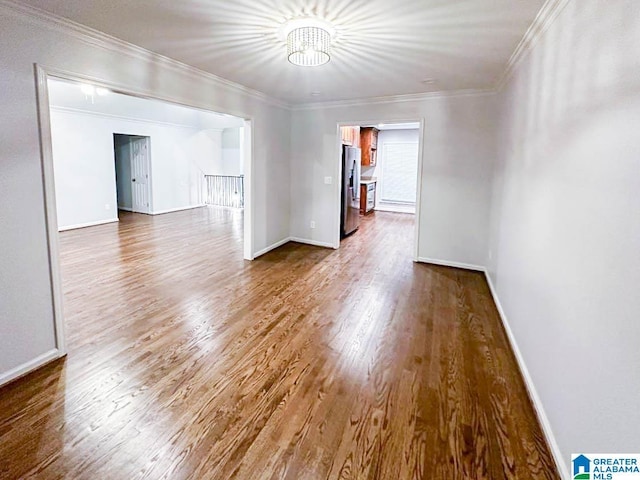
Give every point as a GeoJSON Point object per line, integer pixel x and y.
{"type": "Point", "coordinates": [273, 246]}
{"type": "Point", "coordinates": [51, 215]}
{"type": "Point", "coordinates": [546, 16]}
{"type": "Point", "coordinates": [411, 97]}
{"type": "Point", "coordinates": [31, 365]}
{"type": "Point", "coordinates": [315, 243]}
{"type": "Point", "coordinates": [531, 388]}
{"type": "Point", "coordinates": [79, 111]}
{"type": "Point", "coordinates": [99, 39]}
{"type": "Point", "coordinates": [548, 13]}
{"type": "Point", "coordinates": [447, 263]}
{"type": "Point", "coordinates": [177, 209]}
{"type": "Point", "coordinates": [89, 224]}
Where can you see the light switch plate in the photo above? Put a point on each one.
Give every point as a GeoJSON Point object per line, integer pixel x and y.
{"type": "Point", "coordinates": [328, 180]}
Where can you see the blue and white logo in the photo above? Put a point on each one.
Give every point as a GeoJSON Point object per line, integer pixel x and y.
{"type": "Point", "coordinates": [581, 468]}
{"type": "Point", "coordinates": [605, 466]}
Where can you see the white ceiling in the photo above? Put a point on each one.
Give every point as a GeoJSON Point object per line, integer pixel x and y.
{"type": "Point", "coordinates": [382, 47]}
{"type": "Point", "coordinates": [68, 95]}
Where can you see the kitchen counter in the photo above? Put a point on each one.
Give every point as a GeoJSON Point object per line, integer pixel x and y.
{"type": "Point", "coordinates": [367, 194]}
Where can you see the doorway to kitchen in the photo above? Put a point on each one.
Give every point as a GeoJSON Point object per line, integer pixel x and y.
{"type": "Point", "coordinates": [387, 175]}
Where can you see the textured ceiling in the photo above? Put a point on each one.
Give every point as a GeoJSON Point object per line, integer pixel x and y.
{"type": "Point", "coordinates": [381, 48]}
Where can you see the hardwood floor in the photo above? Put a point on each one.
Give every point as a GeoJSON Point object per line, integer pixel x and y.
{"type": "Point", "coordinates": [185, 361]}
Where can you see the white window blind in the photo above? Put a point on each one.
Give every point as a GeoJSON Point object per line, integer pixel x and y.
{"type": "Point", "coordinates": [399, 170]}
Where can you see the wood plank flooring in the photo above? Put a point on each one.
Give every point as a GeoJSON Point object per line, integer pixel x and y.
{"type": "Point", "coordinates": [187, 362]}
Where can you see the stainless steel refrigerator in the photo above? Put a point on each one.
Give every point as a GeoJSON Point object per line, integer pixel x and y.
{"type": "Point", "coordinates": [350, 212]}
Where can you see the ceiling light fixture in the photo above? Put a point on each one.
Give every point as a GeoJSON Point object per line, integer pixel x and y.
{"type": "Point", "coordinates": [90, 90]}
{"type": "Point", "coordinates": [87, 89]}
{"type": "Point", "coordinates": [308, 41]}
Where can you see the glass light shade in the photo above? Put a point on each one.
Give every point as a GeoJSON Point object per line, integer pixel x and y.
{"type": "Point", "coordinates": [87, 89]}
{"type": "Point", "coordinates": [308, 46]}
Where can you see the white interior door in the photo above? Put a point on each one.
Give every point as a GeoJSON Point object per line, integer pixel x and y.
{"type": "Point", "coordinates": [140, 161]}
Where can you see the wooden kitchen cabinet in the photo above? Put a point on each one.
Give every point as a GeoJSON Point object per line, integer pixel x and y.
{"type": "Point", "coordinates": [369, 146]}
{"type": "Point", "coordinates": [367, 197]}
{"type": "Point", "coordinates": [350, 136]}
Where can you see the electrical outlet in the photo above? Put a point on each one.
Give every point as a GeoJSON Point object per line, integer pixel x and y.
{"type": "Point", "coordinates": [328, 180]}
{"type": "Point", "coordinates": [107, 206]}
{"type": "Point", "coordinates": [312, 224]}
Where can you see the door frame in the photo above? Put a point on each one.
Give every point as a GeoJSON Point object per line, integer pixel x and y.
{"type": "Point", "coordinates": [150, 174]}
{"type": "Point", "coordinates": [42, 74]}
{"type": "Point", "coordinates": [419, 180]}
{"type": "Point", "coordinates": [147, 141]}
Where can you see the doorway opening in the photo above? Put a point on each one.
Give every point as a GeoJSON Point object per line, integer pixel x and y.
{"type": "Point", "coordinates": [132, 164]}
{"type": "Point", "coordinates": [379, 171]}
{"type": "Point", "coordinates": [112, 149]}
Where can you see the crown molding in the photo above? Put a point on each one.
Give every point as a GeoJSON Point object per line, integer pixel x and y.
{"type": "Point", "coordinates": [102, 40]}
{"type": "Point", "coordinates": [412, 97]}
{"type": "Point", "coordinates": [546, 16]}
{"type": "Point", "coordinates": [91, 113]}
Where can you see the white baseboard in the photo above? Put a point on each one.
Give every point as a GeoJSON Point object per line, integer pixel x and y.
{"type": "Point", "coordinates": [312, 242]}
{"type": "Point", "coordinates": [223, 207]}
{"type": "Point", "coordinates": [88, 224]}
{"type": "Point", "coordinates": [28, 367]}
{"type": "Point", "coordinates": [446, 263]}
{"type": "Point", "coordinates": [273, 246]}
{"type": "Point", "coordinates": [179, 209]}
{"type": "Point", "coordinates": [533, 393]}
{"type": "Point", "coordinates": [386, 207]}
{"type": "Point", "coordinates": [126, 209]}
{"type": "Point", "coordinates": [292, 239]}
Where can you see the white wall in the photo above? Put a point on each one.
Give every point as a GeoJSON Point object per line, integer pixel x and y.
{"type": "Point", "coordinates": [458, 155]}
{"type": "Point", "coordinates": [26, 311]}
{"type": "Point", "coordinates": [231, 159]}
{"type": "Point", "coordinates": [205, 149]}
{"type": "Point", "coordinates": [565, 237]}
{"type": "Point", "coordinates": [84, 171]}
{"type": "Point", "coordinates": [565, 223]}
{"type": "Point", "coordinates": [83, 157]}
